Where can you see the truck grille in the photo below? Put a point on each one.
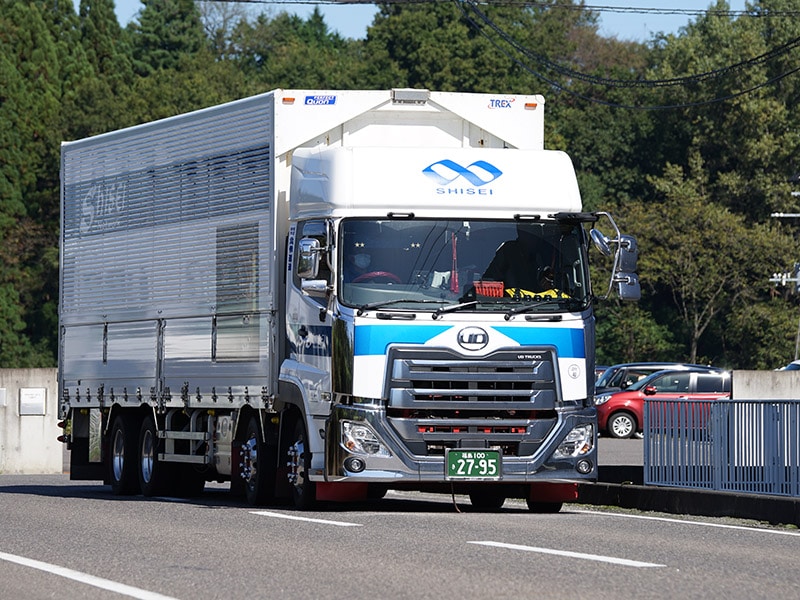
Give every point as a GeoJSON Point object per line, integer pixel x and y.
{"type": "Point", "coordinates": [438, 399]}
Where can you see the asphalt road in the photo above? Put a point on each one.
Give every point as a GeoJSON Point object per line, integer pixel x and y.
{"type": "Point", "coordinates": [89, 544]}
{"type": "Point", "coordinates": [611, 451]}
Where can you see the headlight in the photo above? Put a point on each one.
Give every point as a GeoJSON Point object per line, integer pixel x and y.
{"type": "Point", "coordinates": [601, 399]}
{"type": "Point", "coordinates": [359, 438]}
{"type": "Point", "coordinates": [578, 441]}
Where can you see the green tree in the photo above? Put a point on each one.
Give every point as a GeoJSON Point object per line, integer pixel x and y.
{"type": "Point", "coordinates": [29, 137]}
{"type": "Point", "coordinates": [196, 82]}
{"type": "Point", "coordinates": [627, 332]}
{"type": "Point", "coordinates": [699, 254]}
{"type": "Point", "coordinates": [95, 98]}
{"type": "Point", "coordinates": [739, 117]}
{"type": "Point", "coordinates": [761, 335]}
{"type": "Point", "coordinates": [166, 31]}
{"type": "Point", "coordinates": [291, 52]}
{"type": "Point", "coordinates": [463, 47]}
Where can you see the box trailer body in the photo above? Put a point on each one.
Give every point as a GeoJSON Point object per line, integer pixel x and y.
{"type": "Point", "coordinates": [218, 320]}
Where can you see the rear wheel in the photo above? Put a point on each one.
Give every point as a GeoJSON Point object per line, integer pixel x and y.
{"type": "Point", "coordinates": [154, 475]}
{"type": "Point", "coordinates": [489, 499]}
{"type": "Point", "coordinates": [257, 468]}
{"type": "Point", "coordinates": [304, 493]}
{"type": "Point", "coordinates": [621, 425]}
{"type": "Point", "coordinates": [122, 456]}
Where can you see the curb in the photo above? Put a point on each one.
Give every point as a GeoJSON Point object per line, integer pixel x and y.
{"type": "Point", "coordinates": [620, 486]}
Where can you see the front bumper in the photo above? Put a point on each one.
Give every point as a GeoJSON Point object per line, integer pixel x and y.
{"type": "Point", "coordinates": [395, 463]}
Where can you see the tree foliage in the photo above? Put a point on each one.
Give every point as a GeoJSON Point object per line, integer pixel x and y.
{"type": "Point", "coordinates": [690, 139]}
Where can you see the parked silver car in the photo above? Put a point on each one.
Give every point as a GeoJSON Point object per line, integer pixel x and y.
{"type": "Point", "coordinates": [619, 377]}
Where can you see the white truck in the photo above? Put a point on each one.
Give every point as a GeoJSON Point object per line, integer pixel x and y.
{"type": "Point", "coordinates": [321, 295]}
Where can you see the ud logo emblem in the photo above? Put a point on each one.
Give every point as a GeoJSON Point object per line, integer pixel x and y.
{"type": "Point", "coordinates": [472, 338]}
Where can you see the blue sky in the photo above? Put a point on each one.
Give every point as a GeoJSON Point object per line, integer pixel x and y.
{"type": "Point", "coordinates": [351, 20]}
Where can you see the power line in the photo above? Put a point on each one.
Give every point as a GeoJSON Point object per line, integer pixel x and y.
{"type": "Point", "coordinates": [584, 77]}
{"type": "Point", "coordinates": [576, 94]}
{"type": "Point", "coordinates": [627, 83]}
{"type": "Point", "coordinates": [689, 12]}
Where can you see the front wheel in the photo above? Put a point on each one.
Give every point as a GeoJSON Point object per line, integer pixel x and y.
{"type": "Point", "coordinates": [621, 425]}
{"type": "Point", "coordinates": [304, 492]}
{"type": "Point", "coordinates": [544, 507]}
{"type": "Point", "coordinates": [489, 499]}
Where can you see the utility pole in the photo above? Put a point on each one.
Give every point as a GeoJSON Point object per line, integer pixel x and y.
{"type": "Point", "coordinates": [792, 278]}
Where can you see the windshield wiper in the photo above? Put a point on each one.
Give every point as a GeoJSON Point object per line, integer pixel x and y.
{"type": "Point", "coordinates": [535, 305]}
{"type": "Point", "coordinates": [365, 307]}
{"type": "Point", "coordinates": [452, 308]}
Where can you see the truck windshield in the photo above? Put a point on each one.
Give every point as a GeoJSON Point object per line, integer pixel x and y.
{"type": "Point", "coordinates": [491, 265]}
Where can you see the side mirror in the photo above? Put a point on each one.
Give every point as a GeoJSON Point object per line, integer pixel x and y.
{"type": "Point", "coordinates": [601, 242]}
{"type": "Point", "coordinates": [650, 390]}
{"type": "Point", "coordinates": [628, 286]}
{"type": "Point", "coordinates": [308, 260]}
{"type": "Point", "coordinates": [315, 287]}
{"type": "Point", "coordinates": [628, 254]}
{"type": "Point", "coordinates": [626, 278]}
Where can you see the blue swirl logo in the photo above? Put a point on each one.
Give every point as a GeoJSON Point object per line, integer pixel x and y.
{"type": "Point", "coordinates": [478, 173]}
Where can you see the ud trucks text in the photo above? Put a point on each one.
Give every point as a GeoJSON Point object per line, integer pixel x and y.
{"type": "Point", "coordinates": [322, 295]}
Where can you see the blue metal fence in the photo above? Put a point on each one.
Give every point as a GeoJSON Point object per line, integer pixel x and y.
{"type": "Point", "coordinates": [747, 446]}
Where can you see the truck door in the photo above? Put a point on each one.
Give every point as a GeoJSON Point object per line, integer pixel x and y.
{"type": "Point", "coordinates": [308, 323]}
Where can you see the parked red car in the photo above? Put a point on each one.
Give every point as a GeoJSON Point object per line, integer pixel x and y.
{"type": "Point", "coordinates": [620, 414]}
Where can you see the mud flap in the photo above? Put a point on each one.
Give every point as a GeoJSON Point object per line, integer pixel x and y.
{"type": "Point", "coordinates": [341, 492]}
{"type": "Point", "coordinates": [553, 492]}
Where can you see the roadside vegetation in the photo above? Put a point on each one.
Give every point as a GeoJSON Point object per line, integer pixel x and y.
{"type": "Point", "coordinates": [690, 140]}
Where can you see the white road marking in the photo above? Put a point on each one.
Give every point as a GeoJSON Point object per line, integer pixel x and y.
{"type": "Point", "coordinates": [275, 515]}
{"type": "Point", "coordinates": [99, 582]}
{"type": "Point", "coordinates": [688, 522]}
{"type": "Point", "coordinates": [596, 557]}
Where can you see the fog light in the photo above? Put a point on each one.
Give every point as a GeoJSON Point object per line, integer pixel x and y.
{"type": "Point", "coordinates": [584, 467]}
{"type": "Point", "coordinates": [354, 464]}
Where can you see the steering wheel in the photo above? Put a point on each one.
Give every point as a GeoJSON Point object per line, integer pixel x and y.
{"type": "Point", "coordinates": [375, 275]}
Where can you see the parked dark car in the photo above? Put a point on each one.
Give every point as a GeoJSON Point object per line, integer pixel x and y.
{"type": "Point", "coordinates": [599, 370]}
{"type": "Point", "coordinates": [620, 377]}
{"type": "Point", "coordinates": [621, 414]}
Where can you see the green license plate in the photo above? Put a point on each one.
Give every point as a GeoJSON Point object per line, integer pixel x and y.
{"type": "Point", "coordinates": [473, 464]}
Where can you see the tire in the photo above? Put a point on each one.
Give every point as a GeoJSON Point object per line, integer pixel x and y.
{"type": "Point", "coordinates": [544, 507]}
{"type": "Point", "coordinates": [190, 481]}
{"type": "Point", "coordinates": [122, 456]}
{"type": "Point", "coordinates": [304, 491]}
{"type": "Point", "coordinates": [258, 466]}
{"type": "Point", "coordinates": [376, 491]}
{"type": "Point", "coordinates": [621, 425]}
{"type": "Point", "coordinates": [489, 499]}
{"type": "Point", "coordinates": [154, 475]}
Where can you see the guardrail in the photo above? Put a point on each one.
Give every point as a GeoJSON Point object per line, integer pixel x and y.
{"type": "Point", "coordinates": [746, 446]}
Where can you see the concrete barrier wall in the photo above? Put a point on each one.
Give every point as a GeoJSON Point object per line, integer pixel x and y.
{"type": "Point", "coordinates": [765, 385]}
{"type": "Point", "coordinates": [29, 422]}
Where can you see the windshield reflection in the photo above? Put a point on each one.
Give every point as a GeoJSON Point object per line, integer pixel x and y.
{"type": "Point", "coordinates": [495, 264]}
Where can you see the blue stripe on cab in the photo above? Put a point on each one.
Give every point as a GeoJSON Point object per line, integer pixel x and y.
{"type": "Point", "coordinates": [568, 342]}
{"type": "Point", "coordinates": [375, 339]}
